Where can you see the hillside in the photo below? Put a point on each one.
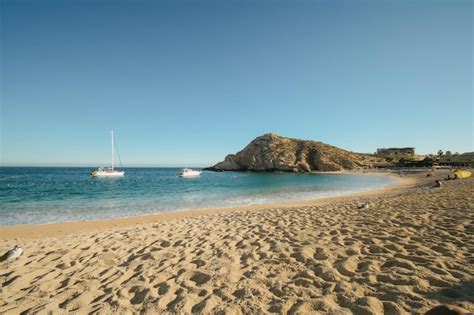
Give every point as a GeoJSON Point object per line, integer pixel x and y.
{"type": "Point", "coordinates": [272, 152]}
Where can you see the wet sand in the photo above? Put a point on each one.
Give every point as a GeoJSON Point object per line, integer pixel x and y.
{"type": "Point", "coordinates": [412, 249]}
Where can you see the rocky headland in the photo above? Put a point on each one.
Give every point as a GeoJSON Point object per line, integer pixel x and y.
{"type": "Point", "coordinates": [271, 152]}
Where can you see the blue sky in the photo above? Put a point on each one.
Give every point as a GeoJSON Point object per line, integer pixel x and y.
{"type": "Point", "coordinates": [186, 82]}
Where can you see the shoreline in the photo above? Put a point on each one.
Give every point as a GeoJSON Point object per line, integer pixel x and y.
{"type": "Point", "coordinates": [59, 229]}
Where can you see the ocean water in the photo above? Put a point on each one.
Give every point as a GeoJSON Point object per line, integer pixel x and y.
{"type": "Point", "coordinates": [45, 195]}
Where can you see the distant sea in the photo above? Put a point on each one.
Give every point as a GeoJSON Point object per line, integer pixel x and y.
{"type": "Point", "coordinates": [30, 195]}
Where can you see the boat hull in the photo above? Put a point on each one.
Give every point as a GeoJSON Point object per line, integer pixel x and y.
{"type": "Point", "coordinates": [196, 175]}
{"type": "Point", "coordinates": [463, 174]}
{"type": "Point", "coordinates": [107, 174]}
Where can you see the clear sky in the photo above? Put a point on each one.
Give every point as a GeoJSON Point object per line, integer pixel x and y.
{"type": "Point", "coordinates": [186, 82]}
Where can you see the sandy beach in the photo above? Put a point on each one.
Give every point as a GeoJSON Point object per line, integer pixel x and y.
{"type": "Point", "coordinates": [410, 250]}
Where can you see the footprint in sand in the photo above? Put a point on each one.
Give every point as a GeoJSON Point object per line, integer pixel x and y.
{"type": "Point", "coordinates": [200, 278]}
{"type": "Point", "coordinates": [139, 296]}
{"type": "Point", "coordinates": [320, 254]}
{"type": "Point", "coordinates": [348, 266]}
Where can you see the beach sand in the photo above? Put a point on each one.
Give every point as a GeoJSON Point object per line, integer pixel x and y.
{"type": "Point", "coordinates": [412, 249]}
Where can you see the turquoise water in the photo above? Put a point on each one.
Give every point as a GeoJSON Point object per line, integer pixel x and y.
{"type": "Point", "coordinates": [44, 195]}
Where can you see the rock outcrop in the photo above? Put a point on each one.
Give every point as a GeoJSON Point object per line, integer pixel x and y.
{"type": "Point", "coordinates": [271, 152]}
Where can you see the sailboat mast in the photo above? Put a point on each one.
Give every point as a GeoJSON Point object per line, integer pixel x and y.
{"type": "Point", "coordinates": [112, 133]}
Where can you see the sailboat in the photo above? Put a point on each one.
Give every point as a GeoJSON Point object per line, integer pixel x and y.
{"type": "Point", "coordinates": [108, 171]}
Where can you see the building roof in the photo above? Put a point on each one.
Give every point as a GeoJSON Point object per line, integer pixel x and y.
{"type": "Point", "coordinates": [406, 148]}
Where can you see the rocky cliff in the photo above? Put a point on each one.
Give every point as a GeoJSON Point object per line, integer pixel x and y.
{"type": "Point", "coordinates": [272, 152]}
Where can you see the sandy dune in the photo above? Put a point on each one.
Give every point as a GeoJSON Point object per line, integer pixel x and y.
{"type": "Point", "coordinates": [410, 250]}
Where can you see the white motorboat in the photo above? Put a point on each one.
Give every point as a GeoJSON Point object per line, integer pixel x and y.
{"type": "Point", "coordinates": [187, 172]}
{"type": "Point", "coordinates": [109, 171]}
